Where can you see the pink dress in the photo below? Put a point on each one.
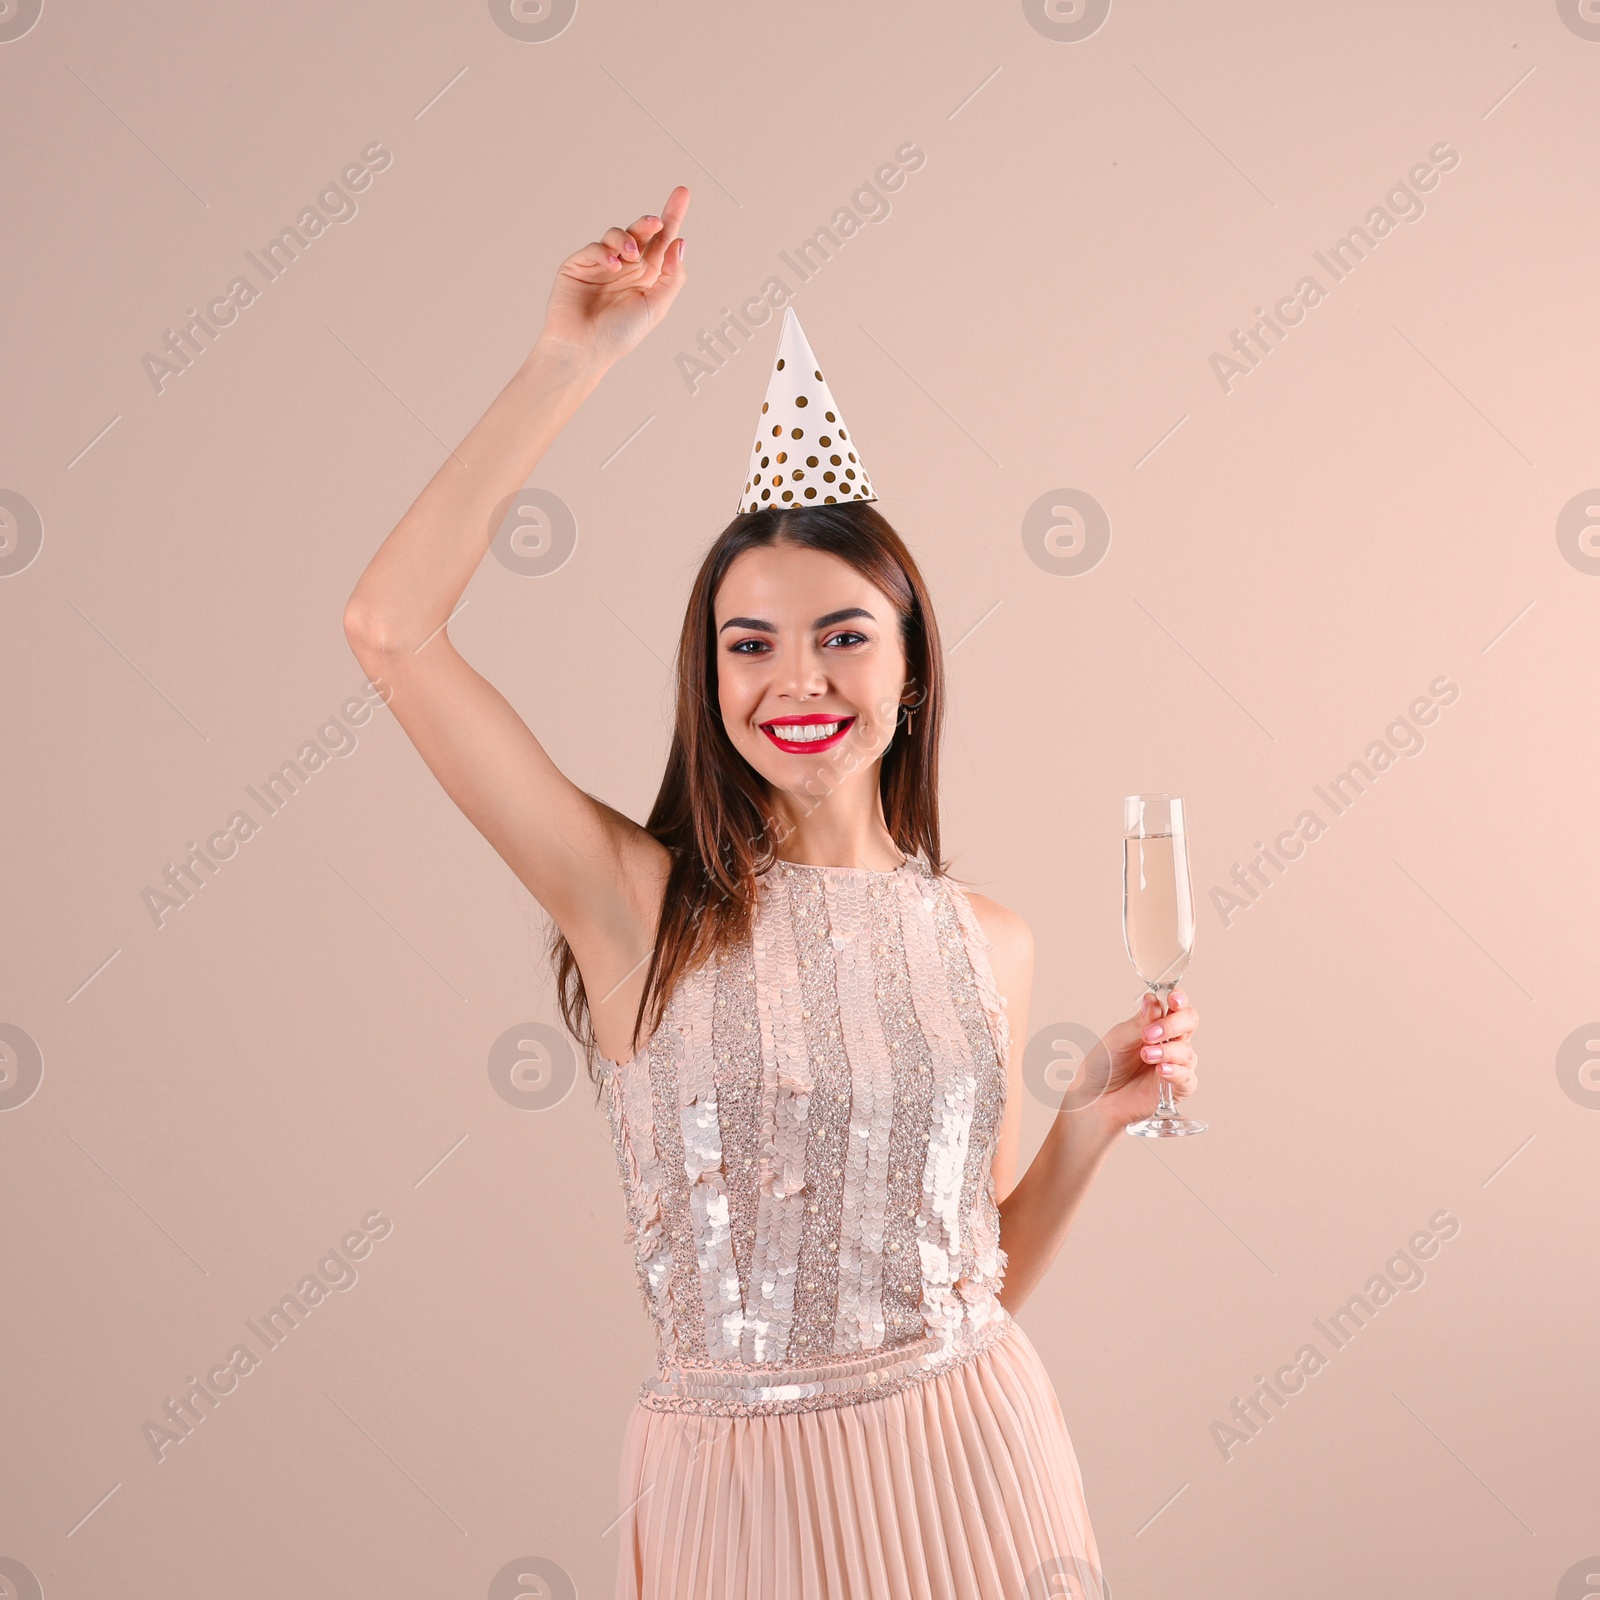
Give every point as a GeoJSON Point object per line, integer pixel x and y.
{"type": "Point", "coordinates": [842, 1408]}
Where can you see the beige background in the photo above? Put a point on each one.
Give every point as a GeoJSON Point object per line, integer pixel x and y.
{"type": "Point", "coordinates": [308, 1039]}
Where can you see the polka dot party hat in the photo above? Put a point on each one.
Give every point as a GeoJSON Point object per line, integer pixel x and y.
{"type": "Point", "coordinates": [803, 454]}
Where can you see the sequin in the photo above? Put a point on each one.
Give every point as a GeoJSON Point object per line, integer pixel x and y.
{"type": "Point", "coordinates": [805, 1149]}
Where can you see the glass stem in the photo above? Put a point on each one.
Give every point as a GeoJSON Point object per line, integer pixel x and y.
{"type": "Point", "coordinates": [1166, 1106]}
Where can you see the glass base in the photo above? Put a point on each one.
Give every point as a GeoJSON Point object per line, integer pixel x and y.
{"type": "Point", "coordinates": [1159, 1127]}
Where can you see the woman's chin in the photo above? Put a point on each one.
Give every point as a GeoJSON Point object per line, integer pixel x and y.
{"type": "Point", "coordinates": [808, 779]}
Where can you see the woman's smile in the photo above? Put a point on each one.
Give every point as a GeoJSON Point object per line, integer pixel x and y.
{"type": "Point", "coordinates": [804, 735]}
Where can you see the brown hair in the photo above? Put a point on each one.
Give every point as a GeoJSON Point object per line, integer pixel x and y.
{"type": "Point", "coordinates": [711, 811]}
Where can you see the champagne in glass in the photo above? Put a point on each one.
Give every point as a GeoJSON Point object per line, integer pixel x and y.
{"type": "Point", "coordinates": [1158, 922]}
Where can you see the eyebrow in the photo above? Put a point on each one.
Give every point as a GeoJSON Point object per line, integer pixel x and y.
{"type": "Point", "coordinates": [822, 622]}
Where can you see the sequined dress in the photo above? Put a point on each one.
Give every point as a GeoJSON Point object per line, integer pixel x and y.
{"type": "Point", "coordinates": [841, 1405]}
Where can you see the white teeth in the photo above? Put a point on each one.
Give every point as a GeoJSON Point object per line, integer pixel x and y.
{"type": "Point", "coordinates": [805, 732]}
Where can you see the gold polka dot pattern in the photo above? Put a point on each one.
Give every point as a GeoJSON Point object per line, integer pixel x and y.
{"type": "Point", "coordinates": [825, 469]}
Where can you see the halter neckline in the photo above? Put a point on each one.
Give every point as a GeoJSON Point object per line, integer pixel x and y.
{"type": "Point", "coordinates": [861, 872]}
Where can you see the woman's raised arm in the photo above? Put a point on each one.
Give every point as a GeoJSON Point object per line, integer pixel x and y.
{"type": "Point", "coordinates": [598, 874]}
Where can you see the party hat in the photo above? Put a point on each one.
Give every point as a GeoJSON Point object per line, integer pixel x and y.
{"type": "Point", "coordinates": [803, 453]}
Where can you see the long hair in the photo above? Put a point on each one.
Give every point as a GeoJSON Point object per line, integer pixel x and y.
{"type": "Point", "coordinates": [711, 812]}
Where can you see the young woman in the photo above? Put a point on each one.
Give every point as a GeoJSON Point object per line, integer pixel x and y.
{"type": "Point", "coordinates": [808, 1033]}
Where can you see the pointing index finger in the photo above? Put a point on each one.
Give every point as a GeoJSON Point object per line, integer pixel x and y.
{"type": "Point", "coordinates": [667, 227]}
{"type": "Point", "coordinates": [672, 214]}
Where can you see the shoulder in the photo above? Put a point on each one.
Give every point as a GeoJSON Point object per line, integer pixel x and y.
{"type": "Point", "coordinates": [1009, 933]}
{"type": "Point", "coordinates": [1010, 956]}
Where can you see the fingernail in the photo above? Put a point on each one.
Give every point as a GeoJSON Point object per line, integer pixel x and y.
{"type": "Point", "coordinates": [683, 244]}
{"type": "Point", "coordinates": [1179, 998]}
{"type": "Point", "coordinates": [1154, 1031]}
{"type": "Point", "coordinates": [1166, 1072]}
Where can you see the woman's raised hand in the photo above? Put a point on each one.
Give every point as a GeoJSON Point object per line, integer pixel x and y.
{"type": "Point", "coordinates": [611, 293]}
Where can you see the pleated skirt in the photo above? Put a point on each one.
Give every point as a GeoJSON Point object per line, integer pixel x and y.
{"type": "Point", "coordinates": [964, 1486]}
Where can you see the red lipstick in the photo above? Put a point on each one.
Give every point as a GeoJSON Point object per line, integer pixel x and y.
{"type": "Point", "coordinates": [808, 746]}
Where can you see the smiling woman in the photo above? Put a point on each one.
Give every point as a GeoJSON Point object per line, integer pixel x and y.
{"type": "Point", "coordinates": [802, 1024]}
{"type": "Point", "coordinates": [799, 618]}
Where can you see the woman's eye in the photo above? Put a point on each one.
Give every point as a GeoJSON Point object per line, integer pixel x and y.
{"type": "Point", "coordinates": [752, 647]}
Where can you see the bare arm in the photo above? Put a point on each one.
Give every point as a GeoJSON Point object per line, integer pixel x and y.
{"type": "Point", "coordinates": [597, 873]}
{"type": "Point", "coordinates": [1116, 1086]}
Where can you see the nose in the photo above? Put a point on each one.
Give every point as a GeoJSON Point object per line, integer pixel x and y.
{"type": "Point", "coordinates": [800, 675]}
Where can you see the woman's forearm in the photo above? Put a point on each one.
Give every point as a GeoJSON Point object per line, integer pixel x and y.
{"type": "Point", "coordinates": [413, 583]}
{"type": "Point", "coordinates": [1036, 1217]}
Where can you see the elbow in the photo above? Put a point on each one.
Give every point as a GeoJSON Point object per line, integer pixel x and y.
{"type": "Point", "coordinates": [372, 636]}
{"type": "Point", "coordinates": [358, 623]}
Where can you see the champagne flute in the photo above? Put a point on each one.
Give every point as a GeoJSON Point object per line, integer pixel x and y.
{"type": "Point", "coordinates": [1157, 922]}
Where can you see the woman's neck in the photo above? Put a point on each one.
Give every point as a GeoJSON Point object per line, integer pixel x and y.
{"type": "Point", "coordinates": [833, 834]}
